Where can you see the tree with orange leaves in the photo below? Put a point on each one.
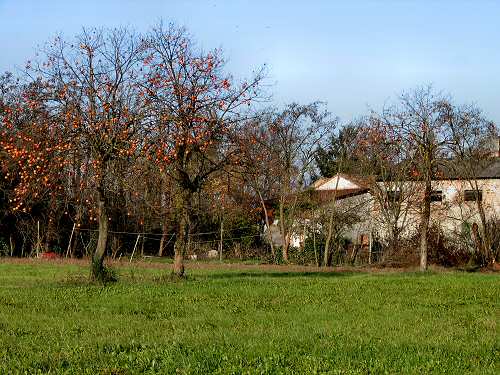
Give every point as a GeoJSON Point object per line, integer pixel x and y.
{"type": "Point", "coordinates": [197, 110]}
{"type": "Point", "coordinates": [90, 91]}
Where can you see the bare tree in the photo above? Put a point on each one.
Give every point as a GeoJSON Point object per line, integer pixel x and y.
{"type": "Point", "coordinates": [294, 137]}
{"type": "Point", "coordinates": [470, 138]}
{"type": "Point", "coordinates": [390, 175]}
{"type": "Point", "coordinates": [418, 124]}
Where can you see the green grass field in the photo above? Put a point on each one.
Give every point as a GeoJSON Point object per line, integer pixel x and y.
{"type": "Point", "coordinates": [246, 319]}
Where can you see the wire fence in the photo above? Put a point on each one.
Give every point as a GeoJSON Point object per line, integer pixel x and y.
{"type": "Point", "coordinates": [166, 234]}
{"type": "Point", "coordinates": [196, 243]}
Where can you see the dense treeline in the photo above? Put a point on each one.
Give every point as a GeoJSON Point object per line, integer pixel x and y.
{"type": "Point", "coordinates": [116, 141]}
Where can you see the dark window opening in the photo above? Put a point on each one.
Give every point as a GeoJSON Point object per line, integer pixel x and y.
{"type": "Point", "coordinates": [473, 195]}
{"type": "Point", "coordinates": [393, 196]}
{"type": "Point", "coordinates": [436, 196]}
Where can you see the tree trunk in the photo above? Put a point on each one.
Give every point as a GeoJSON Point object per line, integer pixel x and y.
{"type": "Point", "coordinates": [12, 245]}
{"type": "Point", "coordinates": [486, 243]}
{"type": "Point", "coordinates": [394, 240]}
{"type": "Point", "coordinates": [316, 258]}
{"type": "Point", "coordinates": [285, 241]}
{"type": "Point", "coordinates": [326, 256]}
{"type": "Point", "coordinates": [162, 245]}
{"type": "Point", "coordinates": [478, 241]}
{"type": "Point", "coordinates": [100, 252]}
{"type": "Point", "coordinates": [183, 204]}
{"type": "Point", "coordinates": [221, 234]}
{"type": "Point", "coordinates": [266, 218]}
{"type": "Point", "coordinates": [49, 229]}
{"type": "Point", "coordinates": [424, 225]}
{"type": "Point", "coordinates": [354, 254]}
{"type": "Point", "coordinates": [115, 246]}
{"type": "Point", "coordinates": [163, 237]}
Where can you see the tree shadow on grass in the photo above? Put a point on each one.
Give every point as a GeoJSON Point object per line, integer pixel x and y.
{"type": "Point", "coordinates": [277, 275]}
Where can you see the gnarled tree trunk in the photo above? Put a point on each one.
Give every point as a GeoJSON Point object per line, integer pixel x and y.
{"type": "Point", "coordinates": [182, 206]}
{"type": "Point", "coordinates": [100, 252]}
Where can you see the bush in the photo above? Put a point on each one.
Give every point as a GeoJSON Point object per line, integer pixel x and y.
{"type": "Point", "coordinates": [445, 251]}
{"type": "Point", "coordinates": [404, 254]}
{"type": "Point", "coordinates": [4, 247]}
{"type": "Point", "coordinates": [303, 256]}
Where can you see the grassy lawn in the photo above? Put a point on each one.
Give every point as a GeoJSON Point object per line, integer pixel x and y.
{"type": "Point", "coordinates": [247, 319]}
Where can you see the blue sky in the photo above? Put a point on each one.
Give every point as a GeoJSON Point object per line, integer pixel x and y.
{"type": "Point", "coordinates": [355, 54]}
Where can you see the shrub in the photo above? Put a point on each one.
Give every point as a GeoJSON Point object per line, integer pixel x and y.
{"type": "Point", "coordinates": [4, 247]}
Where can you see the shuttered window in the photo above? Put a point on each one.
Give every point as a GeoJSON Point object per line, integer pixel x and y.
{"type": "Point", "coordinates": [473, 195]}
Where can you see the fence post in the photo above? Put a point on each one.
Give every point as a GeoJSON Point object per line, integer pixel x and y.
{"type": "Point", "coordinates": [135, 246]}
{"type": "Point", "coordinates": [70, 239]}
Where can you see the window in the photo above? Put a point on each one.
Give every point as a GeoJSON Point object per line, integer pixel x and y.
{"type": "Point", "coordinates": [436, 196]}
{"type": "Point", "coordinates": [393, 196]}
{"type": "Point", "coordinates": [473, 195]}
